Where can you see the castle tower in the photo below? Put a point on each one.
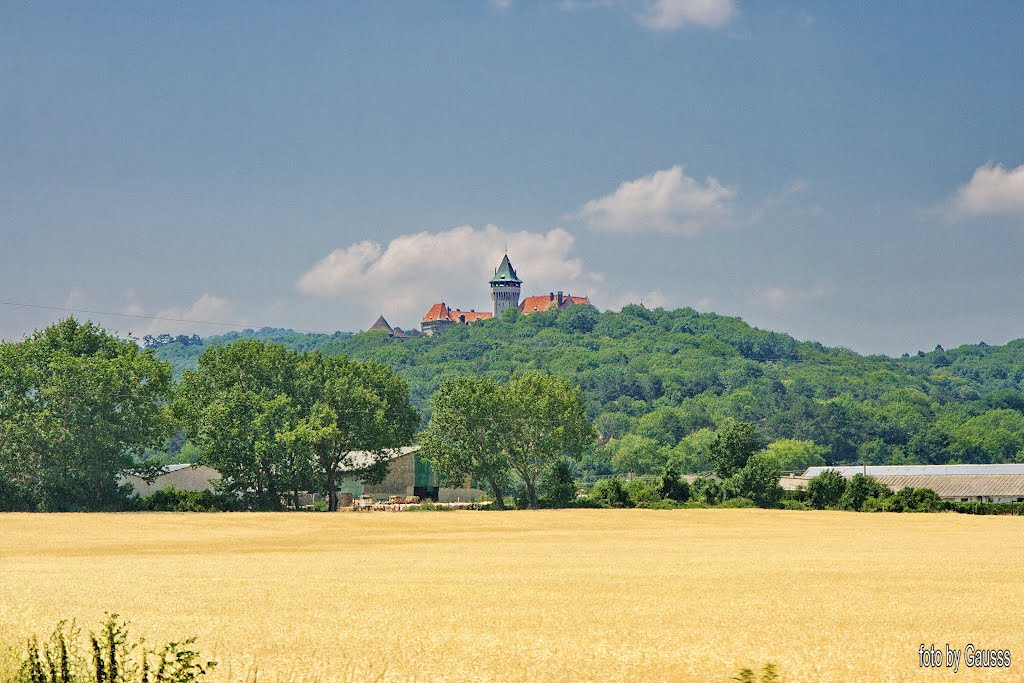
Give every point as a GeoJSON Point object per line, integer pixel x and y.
{"type": "Point", "coordinates": [505, 288]}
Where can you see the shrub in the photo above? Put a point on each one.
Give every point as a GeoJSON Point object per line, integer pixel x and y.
{"type": "Point", "coordinates": [826, 490]}
{"type": "Point", "coordinates": [672, 487]}
{"type": "Point", "coordinates": [758, 480]}
{"type": "Point", "coordinates": [611, 493]}
{"type": "Point", "coordinates": [706, 491]}
{"type": "Point", "coordinates": [737, 503]}
{"type": "Point", "coordinates": [858, 489]}
{"type": "Point", "coordinates": [643, 493]}
{"type": "Point", "coordinates": [790, 504]}
{"type": "Point", "coordinates": [556, 487]}
{"type": "Point", "coordinates": [171, 499]}
{"type": "Point", "coordinates": [976, 507]}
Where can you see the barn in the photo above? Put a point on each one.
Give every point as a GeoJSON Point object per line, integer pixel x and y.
{"type": "Point", "coordinates": [408, 475]}
{"type": "Point", "coordinates": [987, 483]}
{"type": "Point", "coordinates": [184, 476]}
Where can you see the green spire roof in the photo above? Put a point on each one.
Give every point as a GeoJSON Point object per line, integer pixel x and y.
{"type": "Point", "coordinates": [505, 272]}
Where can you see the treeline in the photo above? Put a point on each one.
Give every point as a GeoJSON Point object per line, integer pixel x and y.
{"type": "Point", "coordinates": [79, 408]}
{"type": "Point", "coordinates": [658, 384]}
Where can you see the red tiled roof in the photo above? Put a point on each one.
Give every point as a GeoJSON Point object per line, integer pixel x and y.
{"type": "Point", "coordinates": [437, 312]}
{"type": "Point", "coordinates": [544, 302]}
{"type": "Point", "coordinates": [470, 316]}
{"type": "Point", "coordinates": [532, 304]}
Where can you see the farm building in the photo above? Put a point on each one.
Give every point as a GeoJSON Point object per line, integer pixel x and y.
{"type": "Point", "coordinates": [408, 475]}
{"type": "Point", "coordinates": [989, 483]}
{"type": "Point", "coordinates": [184, 476]}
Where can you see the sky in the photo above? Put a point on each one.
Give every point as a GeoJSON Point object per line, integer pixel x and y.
{"type": "Point", "coordinates": [850, 173]}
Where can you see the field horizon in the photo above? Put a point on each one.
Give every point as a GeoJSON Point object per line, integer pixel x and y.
{"type": "Point", "coordinates": [640, 595]}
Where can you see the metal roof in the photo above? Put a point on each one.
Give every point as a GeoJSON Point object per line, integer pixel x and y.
{"type": "Point", "coordinates": [357, 460]}
{"type": "Point", "coordinates": [950, 486]}
{"type": "Point", "coordinates": [505, 272]}
{"type": "Point", "coordinates": [917, 470]}
{"type": "Point", "coordinates": [962, 485]}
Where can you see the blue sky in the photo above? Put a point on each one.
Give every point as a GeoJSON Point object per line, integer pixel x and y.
{"type": "Point", "coordinates": [846, 172]}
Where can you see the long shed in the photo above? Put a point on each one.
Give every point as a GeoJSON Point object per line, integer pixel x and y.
{"type": "Point", "coordinates": [995, 483]}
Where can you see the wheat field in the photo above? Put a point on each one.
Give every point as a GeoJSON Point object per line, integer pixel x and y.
{"type": "Point", "coordinates": [582, 595]}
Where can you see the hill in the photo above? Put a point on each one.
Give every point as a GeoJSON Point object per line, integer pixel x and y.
{"type": "Point", "coordinates": [658, 382]}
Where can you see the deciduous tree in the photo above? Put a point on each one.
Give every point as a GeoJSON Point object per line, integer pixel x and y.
{"type": "Point", "coordinates": [77, 407]}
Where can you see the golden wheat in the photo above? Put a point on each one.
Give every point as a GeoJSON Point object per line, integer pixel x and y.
{"type": "Point", "coordinates": [586, 595]}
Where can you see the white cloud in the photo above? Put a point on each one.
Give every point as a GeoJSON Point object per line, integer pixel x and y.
{"type": "Point", "coordinates": [666, 15]}
{"type": "Point", "coordinates": [652, 299]}
{"type": "Point", "coordinates": [665, 201]}
{"type": "Point", "coordinates": [780, 298]}
{"type": "Point", "coordinates": [208, 308]}
{"type": "Point", "coordinates": [404, 277]}
{"type": "Point", "coordinates": [992, 190]}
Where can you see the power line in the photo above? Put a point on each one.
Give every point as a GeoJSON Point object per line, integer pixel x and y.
{"type": "Point", "coordinates": [123, 315]}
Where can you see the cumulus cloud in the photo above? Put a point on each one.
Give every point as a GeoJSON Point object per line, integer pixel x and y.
{"type": "Point", "coordinates": [403, 277]}
{"type": "Point", "coordinates": [208, 309]}
{"type": "Point", "coordinates": [667, 201]}
{"type": "Point", "coordinates": [667, 15]}
{"type": "Point", "coordinates": [992, 190]}
{"type": "Point", "coordinates": [655, 298]}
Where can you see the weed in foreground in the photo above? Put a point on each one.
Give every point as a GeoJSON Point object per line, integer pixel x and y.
{"type": "Point", "coordinates": [115, 658]}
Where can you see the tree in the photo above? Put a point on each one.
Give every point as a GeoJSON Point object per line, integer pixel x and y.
{"type": "Point", "coordinates": [758, 480]}
{"type": "Point", "coordinates": [78, 407]}
{"type": "Point", "coordinates": [673, 487]}
{"type": "Point", "coordinates": [826, 489]}
{"type": "Point", "coordinates": [634, 454]}
{"type": "Point", "coordinates": [238, 407]}
{"type": "Point", "coordinates": [795, 455]}
{"type": "Point", "coordinates": [352, 407]}
{"type": "Point", "coordinates": [732, 448]}
{"type": "Point", "coordinates": [466, 431]}
{"type": "Point", "coordinates": [547, 421]}
{"type": "Point", "coordinates": [859, 488]}
{"type": "Point", "coordinates": [611, 493]}
{"type": "Point", "coordinates": [557, 487]}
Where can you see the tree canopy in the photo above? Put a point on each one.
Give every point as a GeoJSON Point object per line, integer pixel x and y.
{"type": "Point", "coordinates": [78, 406]}
{"type": "Point", "coordinates": [662, 377]}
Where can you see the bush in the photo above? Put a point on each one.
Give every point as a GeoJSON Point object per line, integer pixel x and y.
{"type": "Point", "coordinates": [643, 493]}
{"type": "Point", "coordinates": [826, 490]}
{"type": "Point", "coordinates": [611, 493]}
{"type": "Point", "coordinates": [790, 504]}
{"type": "Point", "coordinates": [737, 503]}
{"type": "Point", "coordinates": [758, 480]}
{"type": "Point", "coordinates": [672, 487]}
{"type": "Point", "coordinates": [113, 658]}
{"type": "Point", "coordinates": [171, 499]}
{"type": "Point", "coordinates": [858, 489]}
{"type": "Point", "coordinates": [556, 487]}
{"type": "Point", "coordinates": [707, 490]}
{"type": "Point", "coordinates": [663, 504]}
{"type": "Point", "coordinates": [979, 508]}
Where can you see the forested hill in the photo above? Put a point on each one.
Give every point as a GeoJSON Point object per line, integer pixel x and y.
{"type": "Point", "coordinates": [658, 382]}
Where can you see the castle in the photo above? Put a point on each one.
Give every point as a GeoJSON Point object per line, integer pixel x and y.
{"type": "Point", "coordinates": [505, 289]}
